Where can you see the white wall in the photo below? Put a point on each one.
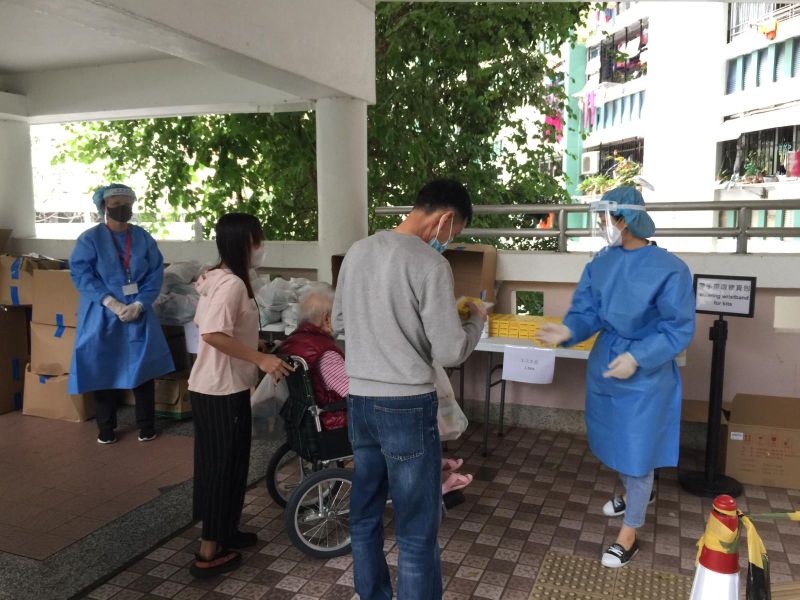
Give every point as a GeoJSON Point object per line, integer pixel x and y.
{"type": "Point", "coordinates": [16, 181]}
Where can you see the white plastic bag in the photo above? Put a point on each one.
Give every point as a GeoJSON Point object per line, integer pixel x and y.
{"type": "Point", "coordinates": [452, 420]}
{"type": "Point", "coordinates": [267, 391]}
{"type": "Point", "coordinates": [175, 309]}
{"type": "Point", "coordinates": [184, 271]}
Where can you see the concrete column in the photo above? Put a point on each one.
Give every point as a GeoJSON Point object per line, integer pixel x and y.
{"type": "Point", "coordinates": [341, 177]}
{"type": "Point", "coordinates": [16, 179]}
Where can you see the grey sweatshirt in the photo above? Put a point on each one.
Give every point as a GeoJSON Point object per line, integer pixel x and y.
{"type": "Point", "coordinates": [396, 307]}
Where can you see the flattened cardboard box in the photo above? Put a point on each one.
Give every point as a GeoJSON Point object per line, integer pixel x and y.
{"type": "Point", "coordinates": [696, 411]}
{"type": "Point", "coordinates": [16, 277]}
{"type": "Point", "coordinates": [5, 235]}
{"type": "Point", "coordinates": [51, 349]}
{"type": "Point", "coordinates": [764, 441]}
{"type": "Point", "coordinates": [47, 397]}
{"type": "Point", "coordinates": [13, 356]}
{"type": "Point", "coordinates": [55, 299]}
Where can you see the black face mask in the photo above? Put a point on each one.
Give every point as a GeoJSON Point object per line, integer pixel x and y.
{"type": "Point", "coordinates": [121, 214]}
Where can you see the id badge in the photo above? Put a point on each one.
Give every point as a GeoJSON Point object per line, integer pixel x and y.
{"type": "Point", "coordinates": [130, 289]}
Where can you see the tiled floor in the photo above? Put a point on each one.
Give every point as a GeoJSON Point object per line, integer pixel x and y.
{"type": "Point", "coordinates": [537, 491]}
{"type": "Point", "coordinates": [57, 484]}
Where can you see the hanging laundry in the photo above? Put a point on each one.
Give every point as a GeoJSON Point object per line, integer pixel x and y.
{"type": "Point", "coordinates": [609, 10]}
{"type": "Point", "coordinates": [769, 28]}
{"type": "Point", "coordinates": [557, 126]}
{"type": "Point", "coordinates": [632, 48]}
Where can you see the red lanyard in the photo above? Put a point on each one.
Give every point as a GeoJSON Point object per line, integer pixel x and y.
{"type": "Point", "coordinates": [126, 258]}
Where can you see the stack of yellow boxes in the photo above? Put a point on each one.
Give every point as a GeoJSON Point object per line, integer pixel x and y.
{"type": "Point", "coordinates": [524, 327]}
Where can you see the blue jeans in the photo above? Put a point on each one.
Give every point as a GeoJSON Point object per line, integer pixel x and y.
{"type": "Point", "coordinates": [396, 448]}
{"type": "Point", "coordinates": [637, 490]}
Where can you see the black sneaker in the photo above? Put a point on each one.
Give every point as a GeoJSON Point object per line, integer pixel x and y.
{"type": "Point", "coordinates": [616, 556]}
{"type": "Point", "coordinates": [106, 437]}
{"type": "Point", "coordinates": [616, 506]}
{"type": "Point", "coordinates": [147, 435]}
{"type": "Point", "coordinates": [224, 561]}
{"type": "Point", "coordinates": [240, 540]}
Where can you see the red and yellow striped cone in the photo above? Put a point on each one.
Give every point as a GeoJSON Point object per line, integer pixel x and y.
{"type": "Point", "coordinates": [717, 573]}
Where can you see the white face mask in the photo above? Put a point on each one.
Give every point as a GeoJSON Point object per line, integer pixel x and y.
{"type": "Point", "coordinates": [257, 256]}
{"type": "Point", "coordinates": [612, 235]}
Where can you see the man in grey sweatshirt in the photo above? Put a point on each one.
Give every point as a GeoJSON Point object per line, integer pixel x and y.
{"type": "Point", "coordinates": [396, 305]}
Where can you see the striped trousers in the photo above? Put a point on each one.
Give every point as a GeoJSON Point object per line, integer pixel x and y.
{"type": "Point", "coordinates": [222, 432]}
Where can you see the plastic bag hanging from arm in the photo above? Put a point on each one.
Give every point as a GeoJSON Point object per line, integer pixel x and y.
{"type": "Point", "coordinates": [451, 419]}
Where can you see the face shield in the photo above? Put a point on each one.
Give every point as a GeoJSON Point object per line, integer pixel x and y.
{"type": "Point", "coordinates": [606, 224]}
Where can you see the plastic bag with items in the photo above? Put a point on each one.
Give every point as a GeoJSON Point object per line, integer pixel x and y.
{"type": "Point", "coordinates": [176, 309]}
{"type": "Point", "coordinates": [185, 272]}
{"type": "Point", "coordinates": [452, 420]}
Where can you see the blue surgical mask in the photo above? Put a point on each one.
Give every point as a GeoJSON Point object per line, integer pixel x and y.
{"type": "Point", "coordinates": [436, 244]}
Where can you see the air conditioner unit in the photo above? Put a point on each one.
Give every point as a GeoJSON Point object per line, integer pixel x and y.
{"type": "Point", "coordinates": [590, 163]}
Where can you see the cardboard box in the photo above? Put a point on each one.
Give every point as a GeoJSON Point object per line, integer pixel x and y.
{"type": "Point", "coordinates": [764, 441]}
{"type": "Point", "coordinates": [14, 354]}
{"type": "Point", "coordinates": [55, 299]}
{"type": "Point", "coordinates": [47, 397]}
{"type": "Point", "coordinates": [172, 396]}
{"type": "Point", "coordinates": [474, 269]}
{"type": "Point", "coordinates": [16, 277]}
{"type": "Point", "coordinates": [696, 412]}
{"type": "Point", "coordinates": [51, 349]}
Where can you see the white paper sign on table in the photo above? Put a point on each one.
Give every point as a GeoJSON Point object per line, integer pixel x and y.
{"type": "Point", "coordinates": [528, 365]}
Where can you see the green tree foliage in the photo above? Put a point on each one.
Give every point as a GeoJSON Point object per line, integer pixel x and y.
{"type": "Point", "coordinates": [450, 80]}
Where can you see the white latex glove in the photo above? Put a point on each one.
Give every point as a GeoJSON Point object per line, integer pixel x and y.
{"type": "Point", "coordinates": [114, 306]}
{"type": "Point", "coordinates": [553, 334]}
{"type": "Point", "coordinates": [622, 367]}
{"type": "Point", "coordinates": [131, 312]}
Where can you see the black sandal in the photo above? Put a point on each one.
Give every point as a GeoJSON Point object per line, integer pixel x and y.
{"type": "Point", "coordinates": [224, 560]}
{"type": "Point", "coordinates": [453, 499]}
{"type": "Point", "coordinates": [240, 540]}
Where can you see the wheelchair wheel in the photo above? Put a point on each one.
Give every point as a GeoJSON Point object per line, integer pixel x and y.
{"type": "Point", "coordinates": [285, 471]}
{"type": "Point", "coordinates": [317, 515]}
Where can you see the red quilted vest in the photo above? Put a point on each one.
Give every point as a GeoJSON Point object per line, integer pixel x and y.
{"type": "Point", "coordinates": [310, 342]}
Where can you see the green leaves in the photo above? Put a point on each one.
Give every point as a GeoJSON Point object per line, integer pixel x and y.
{"type": "Point", "coordinates": [451, 80]}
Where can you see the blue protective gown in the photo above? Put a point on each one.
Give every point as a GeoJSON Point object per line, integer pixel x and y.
{"type": "Point", "coordinates": [641, 301]}
{"type": "Point", "coordinates": [110, 354]}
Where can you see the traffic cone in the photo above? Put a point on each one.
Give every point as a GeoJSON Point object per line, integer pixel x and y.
{"type": "Point", "coordinates": [717, 573]}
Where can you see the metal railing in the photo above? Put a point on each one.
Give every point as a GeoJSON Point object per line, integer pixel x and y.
{"type": "Point", "coordinates": [742, 232]}
{"type": "Point", "coordinates": [744, 15]}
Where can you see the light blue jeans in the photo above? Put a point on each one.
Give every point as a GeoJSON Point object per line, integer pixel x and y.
{"type": "Point", "coordinates": [638, 491]}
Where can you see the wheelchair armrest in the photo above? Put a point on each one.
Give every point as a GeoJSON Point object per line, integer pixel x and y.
{"type": "Point", "coordinates": [336, 406]}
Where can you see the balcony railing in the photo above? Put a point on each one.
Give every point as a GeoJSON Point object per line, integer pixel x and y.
{"type": "Point", "coordinates": [742, 232]}
{"type": "Point", "coordinates": [743, 16]}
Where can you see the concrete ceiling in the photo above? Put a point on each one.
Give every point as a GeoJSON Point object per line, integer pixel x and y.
{"type": "Point", "coordinates": [64, 60]}
{"type": "Point", "coordinates": [34, 41]}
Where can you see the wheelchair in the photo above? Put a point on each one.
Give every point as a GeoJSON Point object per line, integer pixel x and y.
{"type": "Point", "coordinates": [307, 474]}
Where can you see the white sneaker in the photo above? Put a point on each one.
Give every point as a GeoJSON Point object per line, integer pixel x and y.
{"type": "Point", "coordinates": [616, 556]}
{"type": "Point", "coordinates": [616, 506]}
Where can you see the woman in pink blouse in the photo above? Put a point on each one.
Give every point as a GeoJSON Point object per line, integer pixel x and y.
{"type": "Point", "coordinates": [225, 370]}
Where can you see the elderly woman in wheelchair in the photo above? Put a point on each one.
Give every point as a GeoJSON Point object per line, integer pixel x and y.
{"type": "Point", "coordinates": [307, 475]}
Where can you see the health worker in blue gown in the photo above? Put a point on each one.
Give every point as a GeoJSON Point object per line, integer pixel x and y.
{"type": "Point", "coordinates": [119, 345]}
{"type": "Point", "coordinates": [640, 299]}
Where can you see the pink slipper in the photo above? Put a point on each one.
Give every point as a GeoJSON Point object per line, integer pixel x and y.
{"type": "Point", "coordinates": [451, 464]}
{"type": "Point", "coordinates": [456, 481]}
